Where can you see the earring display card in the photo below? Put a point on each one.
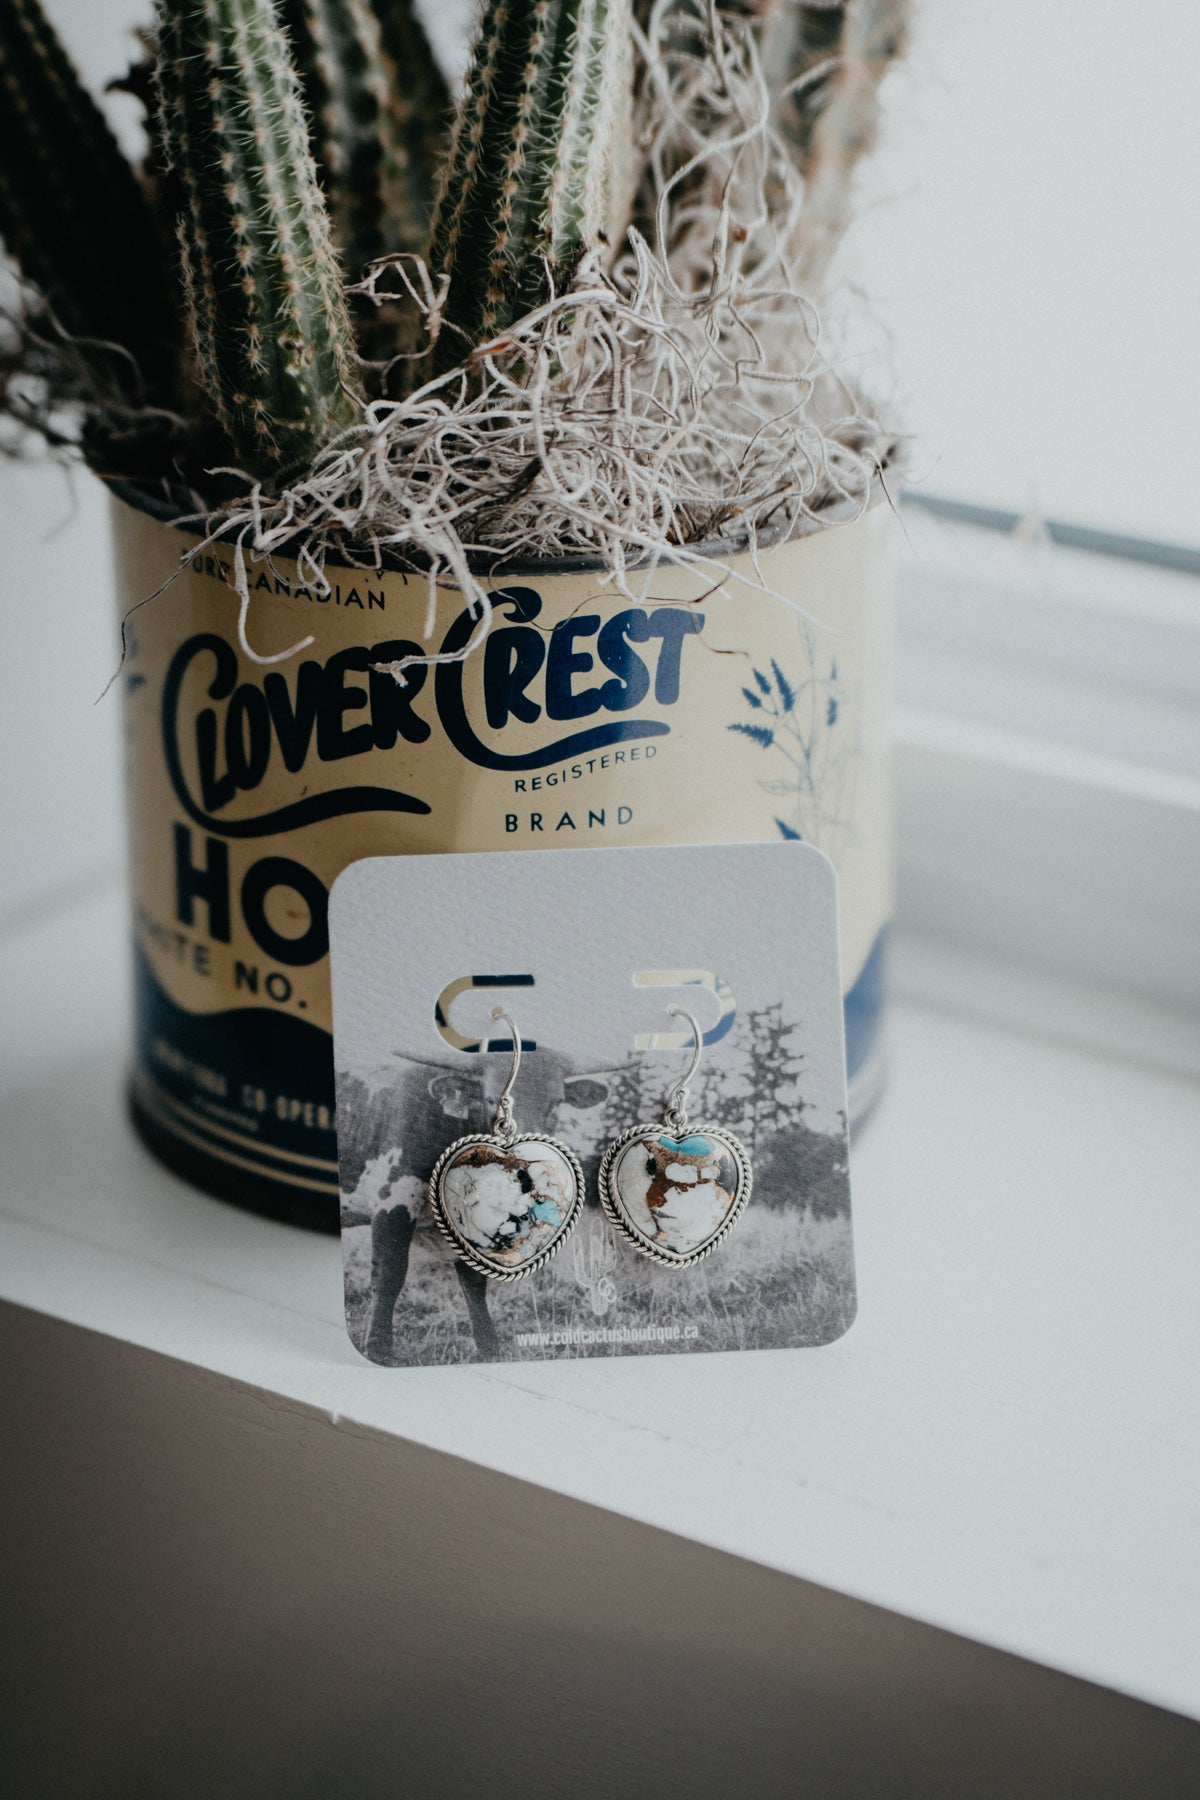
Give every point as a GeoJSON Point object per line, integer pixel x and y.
{"type": "Point", "coordinates": [586, 949]}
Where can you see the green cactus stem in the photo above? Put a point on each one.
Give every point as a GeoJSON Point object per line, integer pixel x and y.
{"type": "Point", "coordinates": [831, 120]}
{"type": "Point", "coordinates": [269, 323]}
{"type": "Point", "coordinates": [73, 216]}
{"type": "Point", "coordinates": [422, 105]}
{"type": "Point", "coordinates": [822, 64]}
{"type": "Point", "coordinates": [370, 143]}
{"type": "Point", "coordinates": [799, 45]}
{"type": "Point", "coordinates": [528, 184]}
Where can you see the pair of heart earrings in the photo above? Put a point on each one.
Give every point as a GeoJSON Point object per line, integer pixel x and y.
{"type": "Point", "coordinates": [507, 1199]}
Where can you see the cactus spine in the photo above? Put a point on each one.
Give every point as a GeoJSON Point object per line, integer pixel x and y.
{"type": "Point", "coordinates": [262, 284]}
{"type": "Point", "coordinates": [72, 213]}
{"type": "Point", "coordinates": [528, 184]}
{"type": "Point", "coordinates": [377, 179]}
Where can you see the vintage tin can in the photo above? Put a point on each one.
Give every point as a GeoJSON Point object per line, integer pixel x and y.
{"type": "Point", "coordinates": [701, 717]}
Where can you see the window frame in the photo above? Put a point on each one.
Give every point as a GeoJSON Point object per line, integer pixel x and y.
{"type": "Point", "coordinates": [1047, 744]}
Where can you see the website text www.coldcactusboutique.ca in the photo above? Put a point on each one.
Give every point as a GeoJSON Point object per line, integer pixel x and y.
{"type": "Point", "coordinates": [605, 1334]}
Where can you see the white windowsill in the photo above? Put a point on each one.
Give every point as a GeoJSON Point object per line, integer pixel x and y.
{"type": "Point", "coordinates": [1048, 762]}
{"type": "Point", "coordinates": [1004, 1443]}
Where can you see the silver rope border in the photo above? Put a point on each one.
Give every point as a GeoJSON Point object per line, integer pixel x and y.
{"type": "Point", "coordinates": [612, 1207]}
{"type": "Point", "coordinates": [474, 1258]}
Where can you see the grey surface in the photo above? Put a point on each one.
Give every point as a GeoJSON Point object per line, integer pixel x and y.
{"type": "Point", "coordinates": [762, 917]}
{"type": "Point", "coordinates": [574, 940]}
{"type": "Point", "coordinates": [211, 1593]}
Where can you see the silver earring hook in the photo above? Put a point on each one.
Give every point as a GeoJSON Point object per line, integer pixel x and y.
{"type": "Point", "coordinates": [675, 1111]}
{"type": "Point", "coordinates": [504, 1112]}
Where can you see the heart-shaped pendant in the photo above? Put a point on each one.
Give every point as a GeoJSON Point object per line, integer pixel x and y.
{"type": "Point", "coordinates": [675, 1191]}
{"type": "Point", "coordinates": [506, 1201]}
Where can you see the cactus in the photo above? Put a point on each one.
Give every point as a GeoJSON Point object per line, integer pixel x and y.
{"type": "Point", "coordinates": [831, 119]}
{"type": "Point", "coordinates": [262, 283]}
{"type": "Point", "coordinates": [72, 214]}
{"type": "Point", "coordinates": [822, 64]}
{"type": "Point", "coordinates": [289, 127]}
{"type": "Point", "coordinates": [530, 177]}
{"type": "Point", "coordinates": [423, 107]}
{"type": "Point", "coordinates": [371, 145]}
